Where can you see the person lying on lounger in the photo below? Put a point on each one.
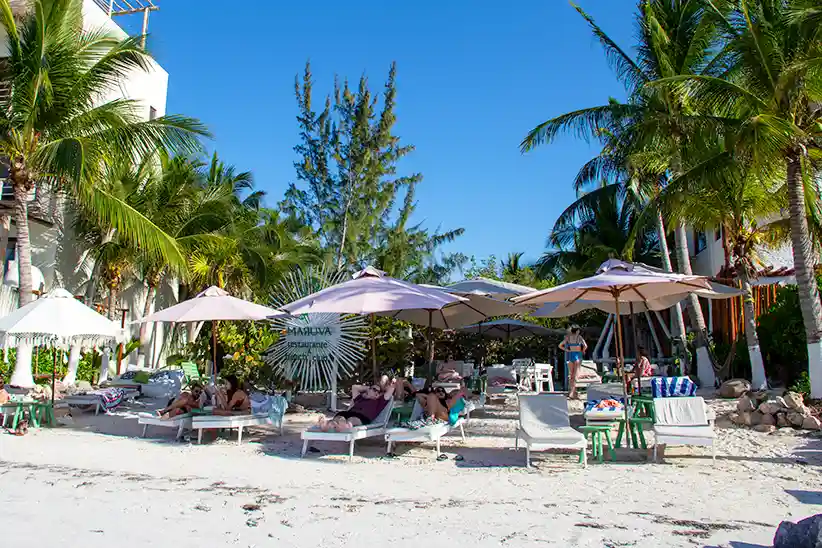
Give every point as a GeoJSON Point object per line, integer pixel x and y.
{"type": "Point", "coordinates": [232, 399]}
{"type": "Point", "coordinates": [439, 405]}
{"type": "Point", "coordinates": [367, 403]}
{"type": "Point", "coordinates": [186, 402]}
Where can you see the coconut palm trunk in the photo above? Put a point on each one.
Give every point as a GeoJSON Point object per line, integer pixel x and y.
{"type": "Point", "coordinates": [21, 220]}
{"type": "Point", "coordinates": [704, 364]}
{"type": "Point", "coordinates": [804, 259]}
{"type": "Point", "coordinates": [679, 320]}
{"type": "Point", "coordinates": [758, 379]}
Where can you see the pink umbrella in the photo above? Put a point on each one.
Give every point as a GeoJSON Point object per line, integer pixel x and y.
{"type": "Point", "coordinates": [620, 283]}
{"type": "Point", "coordinates": [213, 304]}
{"type": "Point", "coordinates": [371, 291]}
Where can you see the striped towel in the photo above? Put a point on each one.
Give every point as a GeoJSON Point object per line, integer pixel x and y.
{"type": "Point", "coordinates": [611, 405]}
{"type": "Point", "coordinates": [110, 398]}
{"type": "Point", "coordinates": [667, 387]}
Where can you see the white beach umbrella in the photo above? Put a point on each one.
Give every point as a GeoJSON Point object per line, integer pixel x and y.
{"type": "Point", "coordinates": [494, 288]}
{"type": "Point", "coordinates": [58, 320]}
{"type": "Point", "coordinates": [620, 283]}
{"type": "Point", "coordinates": [213, 304]}
{"type": "Point", "coordinates": [510, 328]}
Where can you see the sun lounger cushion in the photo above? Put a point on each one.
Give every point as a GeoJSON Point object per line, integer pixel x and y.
{"type": "Point", "coordinates": [687, 411]}
{"type": "Point", "coordinates": [668, 387]}
{"type": "Point", "coordinates": [684, 431]}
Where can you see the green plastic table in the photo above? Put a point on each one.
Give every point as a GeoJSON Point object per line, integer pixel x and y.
{"type": "Point", "coordinates": [597, 432]}
{"type": "Point", "coordinates": [403, 412]}
{"type": "Point", "coordinates": [635, 430]}
{"type": "Point", "coordinates": [43, 413]}
{"type": "Point", "coordinates": [20, 407]}
{"type": "Point", "coordinates": [643, 406]}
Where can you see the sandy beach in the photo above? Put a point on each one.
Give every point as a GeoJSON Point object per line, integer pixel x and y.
{"type": "Point", "coordinates": [96, 483]}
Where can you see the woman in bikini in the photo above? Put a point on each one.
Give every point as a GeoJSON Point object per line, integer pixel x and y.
{"type": "Point", "coordinates": [442, 406]}
{"type": "Point", "coordinates": [232, 399]}
{"type": "Point", "coordinates": [574, 346]}
{"type": "Point", "coordinates": [367, 404]}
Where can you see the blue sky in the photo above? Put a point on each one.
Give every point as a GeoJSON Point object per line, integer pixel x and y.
{"type": "Point", "coordinates": [473, 78]}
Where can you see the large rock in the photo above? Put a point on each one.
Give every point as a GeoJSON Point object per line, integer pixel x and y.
{"type": "Point", "coordinates": [742, 419]}
{"type": "Point", "coordinates": [734, 388]}
{"type": "Point", "coordinates": [782, 420]}
{"type": "Point", "coordinates": [769, 420]}
{"type": "Point", "coordinates": [811, 423]}
{"type": "Point", "coordinates": [772, 407]}
{"type": "Point", "coordinates": [795, 401]}
{"type": "Point", "coordinates": [765, 428]}
{"type": "Point", "coordinates": [756, 417]}
{"type": "Point", "coordinates": [795, 418]}
{"type": "Point", "coordinates": [745, 404]}
{"type": "Point", "coordinates": [804, 534]}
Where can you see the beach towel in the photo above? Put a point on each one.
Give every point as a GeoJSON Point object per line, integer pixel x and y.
{"type": "Point", "coordinates": [669, 387]}
{"type": "Point", "coordinates": [605, 405]}
{"type": "Point", "coordinates": [110, 398]}
{"type": "Point", "coordinates": [273, 406]}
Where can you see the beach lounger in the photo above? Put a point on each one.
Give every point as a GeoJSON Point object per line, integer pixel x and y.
{"type": "Point", "coordinates": [433, 433]}
{"type": "Point", "coordinates": [375, 429]}
{"type": "Point", "coordinates": [272, 415]}
{"type": "Point", "coordinates": [105, 399]}
{"type": "Point", "coordinates": [180, 422]}
{"type": "Point", "coordinates": [544, 425]}
{"type": "Point", "coordinates": [683, 421]}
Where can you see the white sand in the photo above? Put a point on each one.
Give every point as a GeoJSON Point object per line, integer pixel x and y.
{"type": "Point", "coordinates": [96, 484]}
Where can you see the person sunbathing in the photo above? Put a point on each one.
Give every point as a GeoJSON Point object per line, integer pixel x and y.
{"type": "Point", "coordinates": [439, 405]}
{"type": "Point", "coordinates": [367, 403]}
{"type": "Point", "coordinates": [186, 402]}
{"type": "Point", "coordinates": [4, 395]}
{"type": "Point", "coordinates": [232, 398]}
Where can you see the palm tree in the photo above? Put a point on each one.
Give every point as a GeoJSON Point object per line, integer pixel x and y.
{"type": "Point", "coordinates": [654, 125]}
{"type": "Point", "coordinates": [54, 131]}
{"type": "Point", "coordinates": [768, 100]}
{"type": "Point", "coordinates": [721, 193]}
{"type": "Point", "coordinates": [598, 226]}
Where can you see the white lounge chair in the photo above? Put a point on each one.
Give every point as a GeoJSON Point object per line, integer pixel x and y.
{"type": "Point", "coordinates": [92, 398]}
{"type": "Point", "coordinates": [230, 422]}
{"type": "Point", "coordinates": [375, 429]}
{"type": "Point", "coordinates": [683, 421]}
{"type": "Point", "coordinates": [180, 422]}
{"type": "Point", "coordinates": [427, 433]}
{"type": "Point", "coordinates": [544, 425]}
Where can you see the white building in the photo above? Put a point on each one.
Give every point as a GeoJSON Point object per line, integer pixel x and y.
{"type": "Point", "coordinates": [55, 252]}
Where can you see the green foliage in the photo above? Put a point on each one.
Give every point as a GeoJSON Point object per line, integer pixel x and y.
{"type": "Point", "coordinates": [244, 342]}
{"type": "Point", "coordinates": [349, 190]}
{"type": "Point", "coordinates": [782, 336]}
{"type": "Point", "coordinates": [802, 385]}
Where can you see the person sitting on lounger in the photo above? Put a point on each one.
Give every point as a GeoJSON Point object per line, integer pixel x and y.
{"type": "Point", "coordinates": [447, 371]}
{"type": "Point", "coordinates": [439, 405]}
{"type": "Point", "coordinates": [367, 403]}
{"type": "Point", "coordinates": [186, 402]}
{"type": "Point", "coordinates": [232, 398]}
{"type": "Point", "coordinates": [642, 368]}
{"type": "Point", "coordinates": [4, 396]}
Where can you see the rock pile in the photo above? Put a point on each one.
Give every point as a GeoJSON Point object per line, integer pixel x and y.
{"type": "Point", "coordinates": [766, 414]}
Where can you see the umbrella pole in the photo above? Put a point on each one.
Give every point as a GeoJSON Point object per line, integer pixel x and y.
{"type": "Point", "coordinates": [374, 348]}
{"type": "Point", "coordinates": [621, 360]}
{"type": "Point", "coordinates": [53, 372]}
{"type": "Point", "coordinates": [430, 346]}
{"type": "Point", "coordinates": [214, 349]}
{"type": "Point", "coordinates": [636, 349]}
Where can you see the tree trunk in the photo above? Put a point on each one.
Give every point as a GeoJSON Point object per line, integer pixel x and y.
{"type": "Point", "coordinates": [5, 229]}
{"type": "Point", "coordinates": [145, 340]}
{"type": "Point", "coordinates": [21, 376]}
{"type": "Point", "coordinates": [704, 363]}
{"type": "Point", "coordinates": [111, 301]}
{"type": "Point", "coordinates": [804, 259]}
{"type": "Point", "coordinates": [91, 288]}
{"type": "Point", "coordinates": [21, 219]}
{"type": "Point", "coordinates": [758, 379]}
{"type": "Point", "coordinates": [344, 233]}
{"type": "Point", "coordinates": [679, 320]}
{"type": "Point", "coordinates": [73, 364]}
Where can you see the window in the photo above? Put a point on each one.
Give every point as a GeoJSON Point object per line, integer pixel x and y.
{"type": "Point", "coordinates": [11, 254]}
{"type": "Point", "coordinates": [152, 113]}
{"type": "Point", "coordinates": [718, 234]}
{"type": "Point", "coordinates": [700, 242]}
